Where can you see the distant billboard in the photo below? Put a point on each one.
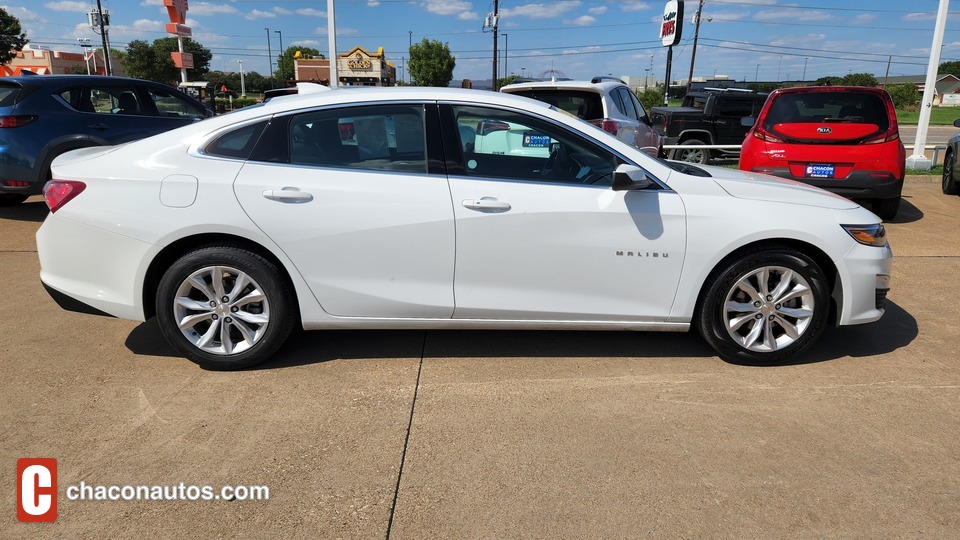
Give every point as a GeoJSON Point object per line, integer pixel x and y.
{"type": "Point", "coordinates": [670, 28]}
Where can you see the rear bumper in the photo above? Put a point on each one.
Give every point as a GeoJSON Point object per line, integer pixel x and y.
{"type": "Point", "coordinates": [858, 185]}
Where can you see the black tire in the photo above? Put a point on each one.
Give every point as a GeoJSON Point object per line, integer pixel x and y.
{"type": "Point", "coordinates": [949, 183]}
{"type": "Point", "coordinates": [254, 325]}
{"type": "Point", "coordinates": [12, 199]}
{"type": "Point", "coordinates": [886, 209]}
{"type": "Point", "coordinates": [772, 343]}
{"type": "Point", "coordinates": [692, 155]}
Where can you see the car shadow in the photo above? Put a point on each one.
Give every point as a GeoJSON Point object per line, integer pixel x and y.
{"type": "Point", "coordinates": [35, 211]}
{"type": "Point", "coordinates": [908, 213]}
{"type": "Point", "coordinates": [895, 330]}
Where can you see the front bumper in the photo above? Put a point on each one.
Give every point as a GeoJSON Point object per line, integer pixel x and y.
{"type": "Point", "coordinates": [865, 276]}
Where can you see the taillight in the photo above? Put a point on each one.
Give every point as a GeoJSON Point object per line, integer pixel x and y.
{"type": "Point", "coordinates": [765, 135]}
{"type": "Point", "coordinates": [608, 125]}
{"type": "Point", "coordinates": [15, 121]}
{"type": "Point", "coordinates": [886, 137]}
{"type": "Point", "coordinates": [16, 183]}
{"type": "Point", "coordinates": [59, 192]}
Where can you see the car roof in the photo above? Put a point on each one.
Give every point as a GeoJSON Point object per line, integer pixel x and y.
{"type": "Point", "coordinates": [605, 85]}
{"type": "Point", "coordinates": [42, 80]}
{"type": "Point", "coordinates": [824, 89]}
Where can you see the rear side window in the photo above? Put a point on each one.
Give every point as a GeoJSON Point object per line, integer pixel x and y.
{"type": "Point", "coordinates": [629, 109]}
{"type": "Point", "coordinates": [170, 104]}
{"type": "Point", "coordinates": [8, 94]}
{"type": "Point", "coordinates": [580, 103]}
{"type": "Point", "coordinates": [114, 100]}
{"type": "Point", "coordinates": [850, 107]}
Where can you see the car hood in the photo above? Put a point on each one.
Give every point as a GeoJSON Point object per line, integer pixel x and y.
{"type": "Point", "coordinates": [760, 187]}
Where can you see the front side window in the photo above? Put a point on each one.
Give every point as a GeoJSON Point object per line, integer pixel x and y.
{"type": "Point", "coordinates": [380, 138]}
{"type": "Point", "coordinates": [514, 146]}
{"type": "Point", "coordinates": [628, 106]}
{"type": "Point", "coordinates": [170, 104]}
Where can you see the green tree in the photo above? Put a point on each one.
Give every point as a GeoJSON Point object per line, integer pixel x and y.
{"type": "Point", "coordinates": [952, 67]}
{"type": "Point", "coordinates": [431, 63]}
{"type": "Point", "coordinates": [509, 79]}
{"type": "Point", "coordinates": [12, 38]}
{"type": "Point", "coordinates": [904, 95]}
{"type": "Point", "coordinates": [651, 97]}
{"type": "Point", "coordinates": [763, 87]}
{"type": "Point", "coordinates": [285, 70]}
{"type": "Point", "coordinates": [827, 81]}
{"type": "Point", "coordinates": [858, 79]}
{"type": "Point", "coordinates": [153, 61]}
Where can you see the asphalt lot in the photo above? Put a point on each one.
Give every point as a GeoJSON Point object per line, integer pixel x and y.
{"type": "Point", "coordinates": [499, 434]}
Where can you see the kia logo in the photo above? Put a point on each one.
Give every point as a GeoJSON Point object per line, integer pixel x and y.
{"type": "Point", "coordinates": [824, 130]}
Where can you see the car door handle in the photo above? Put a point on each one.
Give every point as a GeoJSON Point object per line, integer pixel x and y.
{"type": "Point", "coordinates": [100, 126]}
{"type": "Point", "coordinates": [288, 195]}
{"type": "Point", "coordinates": [486, 204]}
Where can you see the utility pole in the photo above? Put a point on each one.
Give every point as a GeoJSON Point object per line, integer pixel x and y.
{"type": "Point", "coordinates": [102, 21]}
{"type": "Point", "coordinates": [496, 15]}
{"type": "Point", "coordinates": [804, 78]}
{"type": "Point", "coordinates": [693, 54]}
{"type": "Point", "coordinates": [243, 85]}
{"type": "Point", "coordinates": [506, 53]}
{"type": "Point", "coordinates": [280, 57]}
{"type": "Point", "coordinates": [332, 44]}
{"type": "Point", "coordinates": [886, 75]}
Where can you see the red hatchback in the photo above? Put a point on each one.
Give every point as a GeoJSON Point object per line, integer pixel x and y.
{"type": "Point", "coordinates": [843, 139]}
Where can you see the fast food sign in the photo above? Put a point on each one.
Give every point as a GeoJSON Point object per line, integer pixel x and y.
{"type": "Point", "coordinates": [672, 24]}
{"type": "Point", "coordinates": [177, 11]}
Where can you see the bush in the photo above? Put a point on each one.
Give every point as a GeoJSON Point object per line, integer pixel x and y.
{"type": "Point", "coordinates": [651, 97]}
{"type": "Point", "coordinates": [904, 95]}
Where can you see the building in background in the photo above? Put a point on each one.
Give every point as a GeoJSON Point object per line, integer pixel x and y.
{"type": "Point", "coordinates": [355, 68]}
{"type": "Point", "coordinates": [44, 61]}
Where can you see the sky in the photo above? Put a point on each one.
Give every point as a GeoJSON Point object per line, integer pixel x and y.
{"type": "Point", "coordinates": [763, 40]}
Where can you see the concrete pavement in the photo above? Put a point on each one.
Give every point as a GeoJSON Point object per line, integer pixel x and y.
{"type": "Point", "coordinates": [499, 434]}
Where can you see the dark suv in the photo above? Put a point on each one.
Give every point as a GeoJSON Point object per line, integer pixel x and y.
{"type": "Point", "coordinates": [43, 116]}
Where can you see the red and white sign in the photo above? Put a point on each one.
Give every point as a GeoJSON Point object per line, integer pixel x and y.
{"type": "Point", "coordinates": [177, 10]}
{"type": "Point", "coordinates": [37, 489]}
{"type": "Point", "coordinates": [670, 28]}
{"type": "Point", "coordinates": [179, 30]}
{"type": "Point", "coordinates": [182, 60]}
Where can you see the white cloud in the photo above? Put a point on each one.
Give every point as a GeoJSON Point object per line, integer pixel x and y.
{"type": "Point", "coordinates": [66, 5]}
{"type": "Point", "coordinates": [727, 16]}
{"type": "Point", "coordinates": [282, 11]}
{"type": "Point", "coordinates": [307, 43]}
{"type": "Point", "coordinates": [146, 25]}
{"type": "Point", "coordinates": [792, 14]}
{"type": "Point", "coordinates": [599, 10]}
{"type": "Point", "coordinates": [447, 7]}
{"type": "Point", "coordinates": [865, 17]}
{"type": "Point", "coordinates": [23, 14]}
{"type": "Point", "coordinates": [468, 16]}
{"type": "Point", "coordinates": [372, 3]}
{"type": "Point", "coordinates": [310, 12]}
{"type": "Point", "coordinates": [915, 17]}
{"type": "Point", "coordinates": [257, 14]}
{"type": "Point", "coordinates": [584, 20]}
{"type": "Point", "coordinates": [206, 8]}
{"type": "Point", "coordinates": [631, 5]}
{"type": "Point", "coordinates": [541, 11]}
{"type": "Point", "coordinates": [341, 31]}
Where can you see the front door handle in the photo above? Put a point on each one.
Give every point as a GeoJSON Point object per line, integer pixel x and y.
{"type": "Point", "coordinates": [486, 204]}
{"type": "Point", "coordinates": [100, 126]}
{"type": "Point", "coordinates": [288, 195]}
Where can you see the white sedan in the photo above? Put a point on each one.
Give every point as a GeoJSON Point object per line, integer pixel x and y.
{"type": "Point", "coordinates": [375, 208]}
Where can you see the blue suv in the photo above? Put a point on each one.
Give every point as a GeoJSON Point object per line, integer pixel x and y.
{"type": "Point", "coordinates": [43, 116]}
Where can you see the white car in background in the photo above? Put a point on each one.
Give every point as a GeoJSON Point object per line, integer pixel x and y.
{"type": "Point", "coordinates": [235, 230]}
{"type": "Point", "coordinates": [605, 102]}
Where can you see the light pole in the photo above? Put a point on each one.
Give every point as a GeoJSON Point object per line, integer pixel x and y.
{"type": "Point", "coordinates": [779, 63]}
{"type": "Point", "coordinates": [409, 46]}
{"type": "Point", "coordinates": [804, 77]}
{"type": "Point", "coordinates": [85, 44]}
{"type": "Point", "coordinates": [506, 54]}
{"type": "Point", "coordinates": [269, 56]}
{"type": "Point", "coordinates": [243, 85]}
{"type": "Point", "coordinates": [756, 75]}
{"type": "Point", "coordinates": [280, 56]}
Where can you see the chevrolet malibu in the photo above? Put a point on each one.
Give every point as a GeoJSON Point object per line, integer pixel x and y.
{"type": "Point", "coordinates": [380, 209]}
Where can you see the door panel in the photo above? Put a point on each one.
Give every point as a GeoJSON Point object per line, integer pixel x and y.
{"type": "Point", "coordinates": [369, 240]}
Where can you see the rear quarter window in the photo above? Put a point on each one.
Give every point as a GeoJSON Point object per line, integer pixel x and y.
{"type": "Point", "coordinates": [238, 143]}
{"type": "Point", "coordinates": [8, 94]}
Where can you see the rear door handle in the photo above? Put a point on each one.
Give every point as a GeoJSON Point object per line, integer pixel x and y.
{"type": "Point", "coordinates": [288, 195]}
{"type": "Point", "coordinates": [486, 204]}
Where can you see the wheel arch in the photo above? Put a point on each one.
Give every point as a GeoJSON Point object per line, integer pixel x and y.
{"type": "Point", "coordinates": [168, 255]}
{"type": "Point", "coordinates": [823, 260]}
{"type": "Point", "coordinates": [695, 134]}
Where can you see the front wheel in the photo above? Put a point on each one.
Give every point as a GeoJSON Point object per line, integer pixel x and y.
{"type": "Point", "coordinates": [692, 155]}
{"type": "Point", "coordinates": [949, 183]}
{"type": "Point", "coordinates": [224, 307]}
{"type": "Point", "coordinates": [886, 209]}
{"type": "Point", "coordinates": [765, 308]}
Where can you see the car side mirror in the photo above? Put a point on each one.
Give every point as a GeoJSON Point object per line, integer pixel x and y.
{"type": "Point", "coordinates": [956, 123]}
{"type": "Point", "coordinates": [658, 119]}
{"type": "Point", "coordinates": [630, 178]}
{"type": "Point", "coordinates": [748, 121]}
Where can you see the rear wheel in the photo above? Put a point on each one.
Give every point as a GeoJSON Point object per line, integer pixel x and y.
{"type": "Point", "coordinates": [224, 307]}
{"type": "Point", "coordinates": [692, 155]}
{"type": "Point", "coordinates": [12, 199]}
{"type": "Point", "coordinates": [886, 209]}
{"type": "Point", "coordinates": [949, 182]}
{"type": "Point", "coordinates": [765, 308]}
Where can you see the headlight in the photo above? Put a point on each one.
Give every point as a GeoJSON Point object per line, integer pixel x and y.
{"type": "Point", "coordinates": [868, 235]}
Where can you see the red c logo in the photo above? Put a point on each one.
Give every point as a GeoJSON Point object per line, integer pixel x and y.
{"type": "Point", "coordinates": [37, 489]}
